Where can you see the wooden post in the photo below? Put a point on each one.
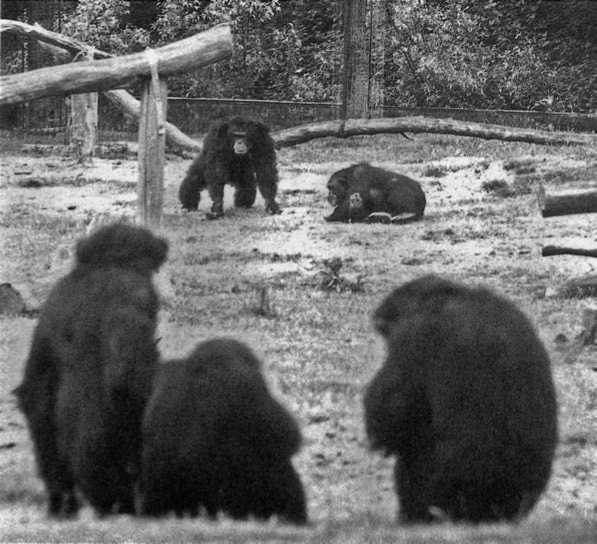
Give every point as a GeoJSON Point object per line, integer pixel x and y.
{"type": "Point", "coordinates": [355, 91]}
{"type": "Point", "coordinates": [83, 125]}
{"type": "Point", "coordinates": [152, 147]}
{"type": "Point", "coordinates": [83, 120]}
{"type": "Point", "coordinates": [377, 43]}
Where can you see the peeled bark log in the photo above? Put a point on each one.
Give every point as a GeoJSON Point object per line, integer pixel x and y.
{"type": "Point", "coordinates": [394, 125]}
{"type": "Point", "coordinates": [566, 203]}
{"type": "Point", "coordinates": [550, 251]}
{"type": "Point", "coordinates": [199, 50]}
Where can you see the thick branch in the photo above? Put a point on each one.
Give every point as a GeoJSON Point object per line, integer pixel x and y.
{"type": "Point", "coordinates": [566, 203]}
{"type": "Point", "coordinates": [550, 251]}
{"type": "Point", "coordinates": [391, 125]}
{"type": "Point", "coordinates": [198, 50]}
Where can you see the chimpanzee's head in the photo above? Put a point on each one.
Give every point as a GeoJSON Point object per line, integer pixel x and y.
{"type": "Point", "coordinates": [240, 144]}
{"type": "Point", "coordinates": [337, 188]}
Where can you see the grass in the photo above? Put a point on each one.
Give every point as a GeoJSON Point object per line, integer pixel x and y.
{"type": "Point", "coordinates": [317, 344]}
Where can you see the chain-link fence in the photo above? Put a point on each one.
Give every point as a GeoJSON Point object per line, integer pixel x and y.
{"type": "Point", "coordinates": [311, 72]}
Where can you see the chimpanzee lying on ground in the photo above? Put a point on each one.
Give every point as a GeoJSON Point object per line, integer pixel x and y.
{"type": "Point", "coordinates": [365, 193]}
{"type": "Point", "coordinates": [214, 438]}
{"type": "Point", "coordinates": [90, 368]}
{"type": "Point", "coordinates": [465, 399]}
{"type": "Point", "coordinates": [239, 153]}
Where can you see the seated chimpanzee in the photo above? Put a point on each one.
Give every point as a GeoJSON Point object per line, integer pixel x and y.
{"type": "Point", "coordinates": [465, 399]}
{"type": "Point", "coordinates": [365, 193]}
{"type": "Point", "coordinates": [214, 438]}
{"type": "Point", "coordinates": [238, 152]}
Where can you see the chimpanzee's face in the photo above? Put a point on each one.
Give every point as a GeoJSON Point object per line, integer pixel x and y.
{"type": "Point", "coordinates": [239, 143]}
{"type": "Point", "coordinates": [337, 190]}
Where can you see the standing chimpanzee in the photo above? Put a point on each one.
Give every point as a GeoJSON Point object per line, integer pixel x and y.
{"type": "Point", "coordinates": [363, 192]}
{"type": "Point", "coordinates": [239, 153]}
{"type": "Point", "coordinates": [214, 438]}
{"type": "Point", "coordinates": [466, 401]}
{"type": "Point", "coordinates": [90, 369]}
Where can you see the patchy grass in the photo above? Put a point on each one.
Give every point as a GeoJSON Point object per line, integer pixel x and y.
{"type": "Point", "coordinates": [262, 279]}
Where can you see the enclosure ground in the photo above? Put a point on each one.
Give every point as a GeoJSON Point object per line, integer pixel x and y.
{"type": "Point", "coordinates": [482, 225]}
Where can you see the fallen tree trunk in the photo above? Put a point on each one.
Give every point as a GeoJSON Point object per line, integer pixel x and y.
{"type": "Point", "coordinates": [550, 251]}
{"type": "Point", "coordinates": [64, 49]}
{"type": "Point", "coordinates": [199, 50]}
{"type": "Point", "coordinates": [393, 125]}
{"type": "Point", "coordinates": [566, 203]}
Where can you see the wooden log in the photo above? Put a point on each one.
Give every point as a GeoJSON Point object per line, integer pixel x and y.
{"type": "Point", "coordinates": [64, 49]}
{"type": "Point", "coordinates": [152, 143]}
{"type": "Point", "coordinates": [199, 50]}
{"type": "Point", "coordinates": [566, 203]}
{"type": "Point", "coordinates": [397, 125]}
{"type": "Point", "coordinates": [550, 251]}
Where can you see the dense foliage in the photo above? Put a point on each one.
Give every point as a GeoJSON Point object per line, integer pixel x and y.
{"type": "Point", "coordinates": [460, 53]}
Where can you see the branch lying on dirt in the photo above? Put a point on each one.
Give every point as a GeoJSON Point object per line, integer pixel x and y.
{"type": "Point", "coordinates": [392, 125]}
{"type": "Point", "coordinates": [566, 203]}
{"type": "Point", "coordinates": [65, 49]}
{"type": "Point", "coordinates": [198, 50]}
{"type": "Point", "coordinates": [550, 251]}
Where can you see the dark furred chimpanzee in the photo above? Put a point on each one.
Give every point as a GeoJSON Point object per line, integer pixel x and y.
{"type": "Point", "coordinates": [239, 153]}
{"type": "Point", "coordinates": [214, 438]}
{"type": "Point", "coordinates": [360, 190]}
{"type": "Point", "coordinates": [89, 371]}
{"type": "Point", "coordinates": [465, 399]}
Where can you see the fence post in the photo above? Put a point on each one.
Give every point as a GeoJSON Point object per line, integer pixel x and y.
{"type": "Point", "coordinates": [83, 121]}
{"type": "Point", "coordinates": [355, 87]}
{"type": "Point", "coordinates": [152, 147]}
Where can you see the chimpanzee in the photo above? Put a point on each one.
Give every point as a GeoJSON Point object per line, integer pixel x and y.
{"type": "Point", "coordinates": [215, 439]}
{"type": "Point", "coordinates": [363, 192]}
{"type": "Point", "coordinates": [465, 400]}
{"type": "Point", "coordinates": [238, 152]}
{"type": "Point", "coordinates": [89, 371]}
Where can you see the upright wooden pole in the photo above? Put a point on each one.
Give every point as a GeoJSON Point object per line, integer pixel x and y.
{"type": "Point", "coordinates": [377, 46]}
{"type": "Point", "coordinates": [83, 119]}
{"type": "Point", "coordinates": [355, 89]}
{"type": "Point", "coordinates": [152, 147]}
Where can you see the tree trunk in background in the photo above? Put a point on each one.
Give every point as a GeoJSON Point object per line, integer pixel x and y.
{"type": "Point", "coordinates": [377, 49]}
{"type": "Point", "coordinates": [355, 95]}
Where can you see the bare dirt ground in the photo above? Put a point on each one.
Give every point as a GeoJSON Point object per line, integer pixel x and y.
{"type": "Point", "coordinates": [482, 225]}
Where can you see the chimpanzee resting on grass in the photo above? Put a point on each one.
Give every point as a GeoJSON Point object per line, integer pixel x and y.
{"type": "Point", "coordinates": [215, 438]}
{"type": "Point", "coordinates": [365, 193]}
{"type": "Point", "coordinates": [239, 153]}
{"type": "Point", "coordinates": [465, 400]}
{"type": "Point", "coordinates": [89, 371]}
